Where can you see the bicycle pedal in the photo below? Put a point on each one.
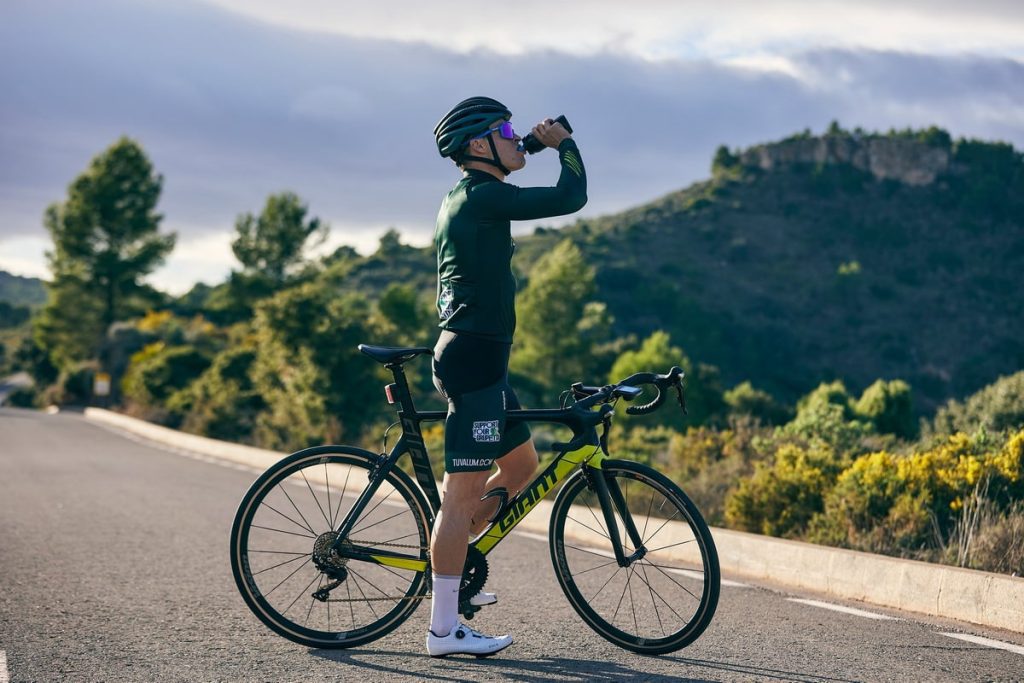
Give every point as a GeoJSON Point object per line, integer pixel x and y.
{"type": "Point", "coordinates": [468, 610]}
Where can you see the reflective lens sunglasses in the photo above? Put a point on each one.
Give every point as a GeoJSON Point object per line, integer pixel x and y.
{"type": "Point", "coordinates": [504, 129]}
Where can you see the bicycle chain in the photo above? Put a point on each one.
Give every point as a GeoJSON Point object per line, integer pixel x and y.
{"type": "Point", "coordinates": [381, 599]}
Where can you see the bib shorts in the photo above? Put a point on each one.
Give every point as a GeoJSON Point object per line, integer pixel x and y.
{"type": "Point", "coordinates": [472, 373]}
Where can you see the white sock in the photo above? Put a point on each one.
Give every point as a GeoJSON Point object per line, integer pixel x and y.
{"type": "Point", "coordinates": [444, 607]}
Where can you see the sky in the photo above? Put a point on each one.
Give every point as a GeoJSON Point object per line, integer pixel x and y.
{"type": "Point", "coordinates": [234, 100]}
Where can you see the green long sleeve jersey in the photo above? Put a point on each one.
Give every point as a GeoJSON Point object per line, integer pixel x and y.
{"type": "Point", "coordinates": [475, 286]}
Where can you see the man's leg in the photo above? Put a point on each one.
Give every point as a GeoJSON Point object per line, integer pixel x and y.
{"type": "Point", "coordinates": [514, 472]}
{"type": "Point", "coordinates": [448, 544]}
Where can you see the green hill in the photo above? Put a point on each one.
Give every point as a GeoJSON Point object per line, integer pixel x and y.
{"type": "Point", "coordinates": [848, 255]}
{"type": "Point", "coordinates": [21, 291]}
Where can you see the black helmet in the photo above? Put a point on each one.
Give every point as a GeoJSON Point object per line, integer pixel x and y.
{"type": "Point", "coordinates": [467, 119]}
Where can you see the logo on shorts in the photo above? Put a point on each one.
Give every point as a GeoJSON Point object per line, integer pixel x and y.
{"type": "Point", "coordinates": [486, 432]}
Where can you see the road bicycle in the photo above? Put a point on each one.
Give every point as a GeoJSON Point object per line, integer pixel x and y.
{"type": "Point", "coordinates": [330, 546]}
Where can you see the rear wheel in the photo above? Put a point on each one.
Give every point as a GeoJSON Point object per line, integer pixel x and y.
{"type": "Point", "coordinates": [665, 598]}
{"type": "Point", "coordinates": [281, 540]}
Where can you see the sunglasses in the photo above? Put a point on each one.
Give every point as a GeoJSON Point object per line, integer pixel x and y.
{"type": "Point", "coordinates": [504, 129]}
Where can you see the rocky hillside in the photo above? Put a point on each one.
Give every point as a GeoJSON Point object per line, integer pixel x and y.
{"type": "Point", "coordinates": [847, 256]}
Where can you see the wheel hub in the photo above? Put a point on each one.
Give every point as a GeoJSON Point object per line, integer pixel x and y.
{"type": "Point", "coordinates": [327, 559]}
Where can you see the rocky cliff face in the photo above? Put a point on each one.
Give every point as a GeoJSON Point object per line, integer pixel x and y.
{"type": "Point", "coordinates": [906, 160]}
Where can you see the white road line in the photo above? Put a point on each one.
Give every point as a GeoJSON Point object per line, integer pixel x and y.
{"type": "Point", "coordinates": [689, 573]}
{"type": "Point", "coordinates": [987, 642]}
{"type": "Point", "coordinates": [4, 678]}
{"type": "Point", "coordinates": [845, 610]}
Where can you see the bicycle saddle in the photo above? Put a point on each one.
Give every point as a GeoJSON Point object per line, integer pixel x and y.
{"type": "Point", "coordinates": [390, 355]}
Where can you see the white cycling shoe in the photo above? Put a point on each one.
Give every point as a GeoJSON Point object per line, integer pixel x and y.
{"type": "Point", "coordinates": [465, 641]}
{"type": "Point", "coordinates": [483, 598]}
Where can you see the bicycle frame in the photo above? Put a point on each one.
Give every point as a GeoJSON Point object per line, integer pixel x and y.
{"type": "Point", "coordinates": [516, 508]}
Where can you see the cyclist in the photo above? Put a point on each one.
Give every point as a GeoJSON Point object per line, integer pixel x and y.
{"type": "Point", "coordinates": [476, 306]}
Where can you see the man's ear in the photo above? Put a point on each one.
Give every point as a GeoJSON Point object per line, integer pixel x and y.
{"type": "Point", "coordinates": [477, 147]}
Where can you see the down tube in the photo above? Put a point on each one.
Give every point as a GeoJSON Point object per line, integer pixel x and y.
{"type": "Point", "coordinates": [522, 504]}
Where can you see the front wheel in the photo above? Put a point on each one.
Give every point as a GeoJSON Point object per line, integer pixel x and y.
{"type": "Point", "coordinates": [666, 596]}
{"type": "Point", "coordinates": [281, 543]}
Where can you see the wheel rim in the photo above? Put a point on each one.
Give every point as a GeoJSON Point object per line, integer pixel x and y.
{"type": "Point", "coordinates": [660, 598]}
{"type": "Point", "coordinates": [286, 526]}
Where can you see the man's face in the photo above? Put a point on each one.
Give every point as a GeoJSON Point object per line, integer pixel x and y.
{"type": "Point", "coordinates": [508, 150]}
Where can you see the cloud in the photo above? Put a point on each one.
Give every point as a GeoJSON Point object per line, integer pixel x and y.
{"type": "Point", "coordinates": [231, 110]}
{"type": "Point", "coordinates": [659, 29]}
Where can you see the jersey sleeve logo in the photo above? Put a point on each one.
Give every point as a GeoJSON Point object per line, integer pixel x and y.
{"type": "Point", "coordinates": [573, 163]}
{"type": "Point", "coordinates": [486, 431]}
{"type": "Point", "coordinates": [445, 300]}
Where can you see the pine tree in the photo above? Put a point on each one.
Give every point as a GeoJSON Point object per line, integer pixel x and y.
{"type": "Point", "coordinates": [105, 240]}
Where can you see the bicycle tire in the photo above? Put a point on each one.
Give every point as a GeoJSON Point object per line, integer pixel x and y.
{"type": "Point", "coordinates": [686, 580]}
{"type": "Point", "coordinates": [269, 505]}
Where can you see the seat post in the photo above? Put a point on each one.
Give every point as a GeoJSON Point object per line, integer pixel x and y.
{"type": "Point", "coordinates": [404, 396]}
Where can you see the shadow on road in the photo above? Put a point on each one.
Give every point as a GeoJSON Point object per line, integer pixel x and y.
{"type": "Point", "coordinates": [759, 672]}
{"type": "Point", "coordinates": [421, 666]}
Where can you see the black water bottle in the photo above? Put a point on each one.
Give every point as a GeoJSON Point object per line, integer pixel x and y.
{"type": "Point", "coordinates": [531, 145]}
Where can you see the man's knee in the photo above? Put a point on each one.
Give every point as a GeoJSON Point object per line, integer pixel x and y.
{"type": "Point", "coordinates": [463, 489]}
{"type": "Point", "coordinates": [521, 463]}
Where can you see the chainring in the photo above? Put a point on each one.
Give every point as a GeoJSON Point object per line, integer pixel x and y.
{"type": "Point", "coordinates": [474, 575]}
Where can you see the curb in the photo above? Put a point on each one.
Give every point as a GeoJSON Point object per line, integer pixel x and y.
{"type": "Point", "coordinates": [969, 595]}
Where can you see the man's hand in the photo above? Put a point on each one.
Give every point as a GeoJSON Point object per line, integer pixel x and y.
{"type": "Point", "coordinates": [550, 132]}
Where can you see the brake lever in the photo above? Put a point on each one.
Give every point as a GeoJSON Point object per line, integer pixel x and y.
{"type": "Point", "coordinates": [679, 395]}
{"type": "Point", "coordinates": [606, 424]}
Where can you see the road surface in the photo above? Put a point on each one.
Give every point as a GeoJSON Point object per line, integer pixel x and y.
{"type": "Point", "coordinates": [114, 566]}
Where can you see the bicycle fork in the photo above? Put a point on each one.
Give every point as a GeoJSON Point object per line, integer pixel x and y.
{"type": "Point", "coordinates": [609, 495]}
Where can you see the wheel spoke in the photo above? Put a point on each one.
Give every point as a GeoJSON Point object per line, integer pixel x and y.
{"type": "Point", "coordinates": [301, 593]}
{"type": "Point", "coordinates": [280, 564]}
{"type": "Point", "coordinates": [281, 531]}
{"type": "Point", "coordinates": [369, 603]}
{"type": "Point", "coordinates": [327, 480]}
{"type": "Point", "coordinates": [586, 550]}
{"type": "Point", "coordinates": [274, 534]}
{"type": "Point", "coordinates": [600, 525]}
{"type": "Point", "coordinates": [304, 526]}
{"type": "Point", "coordinates": [662, 611]}
{"type": "Point", "coordinates": [362, 529]}
{"type": "Point", "coordinates": [617, 606]}
{"type": "Point", "coordinates": [662, 598]}
{"type": "Point", "coordinates": [587, 526]}
{"type": "Point", "coordinates": [267, 594]}
{"type": "Point", "coordinates": [302, 516]}
{"type": "Point", "coordinates": [312, 600]}
{"type": "Point", "coordinates": [316, 500]}
{"type": "Point", "coordinates": [654, 603]}
{"type": "Point", "coordinates": [594, 596]}
{"type": "Point", "coordinates": [672, 545]}
{"type": "Point", "coordinates": [675, 582]}
{"type": "Point", "coordinates": [674, 515]}
{"type": "Point", "coordinates": [344, 489]}
{"type": "Point", "coordinates": [596, 567]}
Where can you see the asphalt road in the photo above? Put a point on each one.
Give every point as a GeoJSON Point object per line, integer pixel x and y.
{"type": "Point", "coordinates": [114, 567]}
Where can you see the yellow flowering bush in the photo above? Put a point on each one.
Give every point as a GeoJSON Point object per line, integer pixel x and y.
{"type": "Point", "coordinates": [781, 498]}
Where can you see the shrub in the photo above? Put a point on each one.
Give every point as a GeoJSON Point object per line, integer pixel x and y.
{"type": "Point", "coordinates": [888, 406]}
{"type": "Point", "coordinates": [916, 503]}
{"type": "Point", "coordinates": [23, 397]}
{"type": "Point", "coordinates": [744, 399]}
{"type": "Point", "coordinates": [222, 403]}
{"type": "Point", "coordinates": [781, 498]}
{"type": "Point", "coordinates": [155, 373]}
{"type": "Point", "coordinates": [997, 407]}
{"type": "Point", "coordinates": [999, 542]}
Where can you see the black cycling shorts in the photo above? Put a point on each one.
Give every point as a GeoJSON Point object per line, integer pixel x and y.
{"type": "Point", "coordinates": [472, 373]}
